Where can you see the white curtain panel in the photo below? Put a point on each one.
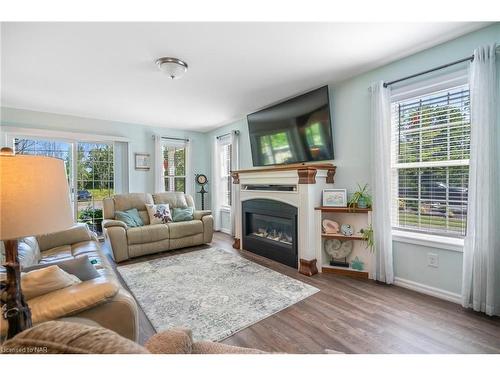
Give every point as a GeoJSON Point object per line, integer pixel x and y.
{"type": "Point", "coordinates": [159, 172]}
{"type": "Point", "coordinates": [481, 266]}
{"type": "Point", "coordinates": [381, 181]}
{"type": "Point", "coordinates": [215, 194]}
{"type": "Point", "coordinates": [235, 165]}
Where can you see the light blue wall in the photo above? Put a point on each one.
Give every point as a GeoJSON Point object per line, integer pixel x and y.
{"type": "Point", "coordinates": [350, 107]}
{"type": "Point", "coordinates": [140, 137]}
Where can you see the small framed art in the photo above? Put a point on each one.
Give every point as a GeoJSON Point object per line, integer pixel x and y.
{"type": "Point", "coordinates": [335, 197]}
{"type": "Point", "coordinates": [142, 162]}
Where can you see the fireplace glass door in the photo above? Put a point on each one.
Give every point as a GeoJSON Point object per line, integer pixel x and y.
{"type": "Point", "coordinates": [270, 230]}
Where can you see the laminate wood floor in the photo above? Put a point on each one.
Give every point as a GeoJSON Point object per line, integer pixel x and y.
{"type": "Point", "coordinates": [356, 316]}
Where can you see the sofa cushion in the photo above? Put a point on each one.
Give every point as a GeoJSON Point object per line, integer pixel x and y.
{"type": "Point", "coordinates": [124, 202]}
{"type": "Point", "coordinates": [185, 228]}
{"type": "Point", "coordinates": [182, 214]}
{"type": "Point", "coordinates": [77, 233]}
{"type": "Point", "coordinates": [159, 213]}
{"type": "Point", "coordinates": [57, 337]}
{"type": "Point", "coordinates": [130, 217]}
{"type": "Point", "coordinates": [46, 280]}
{"type": "Point", "coordinates": [173, 199]}
{"type": "Point", "coordinates": [56, 254]}
{"type": "Point", "coordinates": [80, 267]}
{"type": "Point", "coordinates": [147, 233]}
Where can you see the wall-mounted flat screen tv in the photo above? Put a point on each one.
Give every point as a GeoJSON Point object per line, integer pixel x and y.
{"type": "Point", "coordinates": [295, 131]}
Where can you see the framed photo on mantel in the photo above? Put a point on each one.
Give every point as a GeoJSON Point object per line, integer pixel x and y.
{"type": "Point", "coordinates": [335, 197]}
{"type": "Point", "coordinates": [142, 161]}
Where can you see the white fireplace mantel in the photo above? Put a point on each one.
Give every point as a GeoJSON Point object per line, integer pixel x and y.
{"type": "Point", "coordinates": [307, 183]}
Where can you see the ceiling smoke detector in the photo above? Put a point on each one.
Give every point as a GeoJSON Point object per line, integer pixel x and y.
{"type": "Point", "coordinates": [172, 66]}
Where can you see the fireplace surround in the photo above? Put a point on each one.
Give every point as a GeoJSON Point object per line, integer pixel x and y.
{"type": "Point", "coordinates": [270, 229]}
{"type": "Point", "coordinates": [299, 187]}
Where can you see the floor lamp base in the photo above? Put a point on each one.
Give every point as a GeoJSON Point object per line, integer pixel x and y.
{"type": "Point", "coordinates": [15, 310]}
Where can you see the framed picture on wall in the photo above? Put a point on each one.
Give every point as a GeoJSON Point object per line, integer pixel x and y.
{"type": "Point", "coordinates": [335, 197]}
{"type": "Point", "coordinates": [142, 161]}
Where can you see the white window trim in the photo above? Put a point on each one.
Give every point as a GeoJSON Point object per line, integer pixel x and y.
{"type": "Point", "coordinates": [189, 176]}
{"type": "Point", "coordinates": [11, 131]}
{"type": "Point", "coordinates": [429, 240]}
{"type": "Point", "coordinates": [441, 82]}
{"type": "Point", "coordinates": [121, 179]}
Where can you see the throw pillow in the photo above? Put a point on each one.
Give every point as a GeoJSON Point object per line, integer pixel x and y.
{"type": "Point", "coordinates": [79, 267]}
{"type": "Point", "coordinates": [46, 280]}
{"type": "Point", "coordinates": [130, 217]}
{"type": "Point", "coordinates": [183, 214]}
{"type": "Point", "coordinates": [159, 213]}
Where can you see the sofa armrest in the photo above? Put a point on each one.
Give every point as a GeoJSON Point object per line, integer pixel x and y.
{"type": "Point", "coordinates": [208, 228]}
{"type": "Point", "coordinates": [77, 233]}
{"type": "Point", "coordinates": [113, 223]}
{"type": "Point", "coordinates": [116, 239]}
{"type": "Point", "coordinates": [198, 214]}
{"type": "Point", "coordinates": [70, 300]}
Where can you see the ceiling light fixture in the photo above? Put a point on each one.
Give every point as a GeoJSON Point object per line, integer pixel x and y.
{"type": "Point", "coordinates": [173, 67]}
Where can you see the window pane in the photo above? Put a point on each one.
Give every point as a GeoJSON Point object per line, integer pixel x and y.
{"type": "Point", "coordinates": [180, 162]}
{"type": "Point", "coordinates": [432, 129]}
{"type": "Point", "coordinates": [174, 167]}
{"type": "Point", "coordinates": [95, 182]}
{"type": "Point", "coordinates": [180, 184]}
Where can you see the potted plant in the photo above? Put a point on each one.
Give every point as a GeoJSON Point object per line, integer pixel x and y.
{"type": "Point", "coordinates": [367, 235]}
{"type": "Point", "coordinates": [360, 198]}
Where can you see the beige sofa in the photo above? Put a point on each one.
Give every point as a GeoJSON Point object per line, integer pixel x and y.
{"type": "Point", "coordinates": [127, 243]}
{"type": "Point", "coordinates": [102, 300]}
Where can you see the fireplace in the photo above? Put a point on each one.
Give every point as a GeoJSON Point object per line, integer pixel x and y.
{"type": "Point", "coordinates": [270, 229]}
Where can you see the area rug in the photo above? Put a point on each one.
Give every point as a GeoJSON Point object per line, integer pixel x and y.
{"type": "Point", "coordinates": [213, 292]}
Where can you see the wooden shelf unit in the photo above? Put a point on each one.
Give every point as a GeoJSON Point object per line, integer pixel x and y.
{"type": "Point", "coordinates": [340, 236]}
{"type": "Point", "coordinates": [361, 218]}
{"type": "Point", "coordinates": [354, 210]}
{"type": "Point", "coordinates": [345, 271]}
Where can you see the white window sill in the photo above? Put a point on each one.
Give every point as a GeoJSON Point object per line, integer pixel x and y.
{"type": "Point", "coordinates": [429, 240]}
{"type": "Point", "coordinates": [225, 208]}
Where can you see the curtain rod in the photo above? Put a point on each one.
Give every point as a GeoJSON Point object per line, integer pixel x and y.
{"type": "Point", "coordinates": [237, 132]}
{"type": "Point", "coordinates": [175, 139]}
{"type": "Point", "coordinates": [470, 58]}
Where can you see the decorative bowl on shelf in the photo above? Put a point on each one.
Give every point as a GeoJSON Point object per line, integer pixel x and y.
{"type": "Point", "coordinates": [330, 226]}
{"type": "Point", "coordinates": [347, 229]}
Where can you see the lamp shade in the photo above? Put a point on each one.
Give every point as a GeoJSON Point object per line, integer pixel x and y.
{"type": "Point", "coordinates": [34, 196]}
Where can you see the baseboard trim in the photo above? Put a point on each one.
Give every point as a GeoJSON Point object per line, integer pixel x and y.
{"type": "Point", "coordinates": [429, 290]}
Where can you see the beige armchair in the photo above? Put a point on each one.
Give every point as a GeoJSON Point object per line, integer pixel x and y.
{"type": "Point", "coordinates": [127, 243]}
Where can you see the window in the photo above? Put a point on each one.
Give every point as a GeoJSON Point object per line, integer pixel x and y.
{"type": "Point", "coordinates": [430, 161]}
{"type": "Point", "coordinates": [225, 174]}
{"type": "Point", "coordinates": [174, 166]}
{"type": "Point", "coordinates": [95, 181]}
{"type": "Point", "coordinates": [53, 148]}
{"type": "Point", "coordinates": [93, 170]}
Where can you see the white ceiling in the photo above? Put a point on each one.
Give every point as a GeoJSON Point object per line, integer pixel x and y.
{"type": "Point", "coordinates": [107, 70]}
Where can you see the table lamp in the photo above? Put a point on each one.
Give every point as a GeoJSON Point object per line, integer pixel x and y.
{"type": "Point", "coordinates": [34, 200]}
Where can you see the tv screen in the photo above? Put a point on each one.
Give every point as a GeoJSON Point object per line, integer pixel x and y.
{"type": "Point", "coordinates": [295, 131]}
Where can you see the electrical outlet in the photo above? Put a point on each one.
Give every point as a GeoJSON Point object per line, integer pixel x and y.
{"type": "Point", "coordinates": [432, 260]}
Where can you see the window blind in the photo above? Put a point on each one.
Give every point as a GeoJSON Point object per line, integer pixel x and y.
{"type": "Point", "coordinates": [430, 161]}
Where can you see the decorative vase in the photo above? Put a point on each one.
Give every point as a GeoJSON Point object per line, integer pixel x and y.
{"type": "Point", "coordinates": [362, 202]}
